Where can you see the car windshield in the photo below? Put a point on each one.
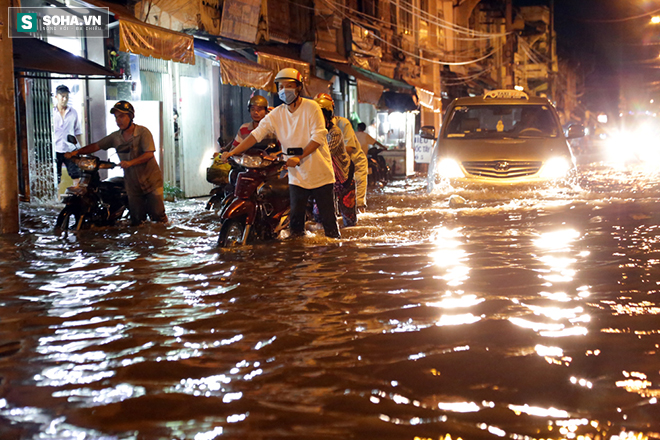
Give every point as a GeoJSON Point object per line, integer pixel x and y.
{"type": "Point", "coordinates": [502, 121]}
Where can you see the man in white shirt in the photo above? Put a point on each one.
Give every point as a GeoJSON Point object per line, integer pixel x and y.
{"type": "Point", "coordinates": [366, 139]}
{"type": "Point", "coordinates": [299, 124]}
{"type": "Point", "coordinates": [65, 122]}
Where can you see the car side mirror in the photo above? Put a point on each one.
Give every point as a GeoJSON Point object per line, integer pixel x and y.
{"type": "Point", "coordinates": [72, 139]}
{"type": "Point", "coordinates": [575, 131]}
{"type": "Point", "coordinates": [427, 132]}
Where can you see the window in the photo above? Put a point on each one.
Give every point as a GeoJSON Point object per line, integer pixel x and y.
{"type": "Point", "coordinates": [497, 121]}
{"type": "Point", "coordinates": [405, 16]}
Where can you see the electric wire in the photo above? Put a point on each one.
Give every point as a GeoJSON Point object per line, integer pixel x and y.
{"type": "Point", "coordinates": [414, 55]}
{"type": "Point", "coordinates": [474, 35]}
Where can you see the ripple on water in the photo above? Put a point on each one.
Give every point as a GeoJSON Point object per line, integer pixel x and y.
{"type": "Point", "coordinates": [518, 313]}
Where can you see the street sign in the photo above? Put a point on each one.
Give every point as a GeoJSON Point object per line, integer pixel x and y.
{"type": "Point", "coordinates": [423, 149]}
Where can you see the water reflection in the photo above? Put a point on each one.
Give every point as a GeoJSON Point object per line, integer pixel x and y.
{"type": "Point", "coordinates": [524, 315]}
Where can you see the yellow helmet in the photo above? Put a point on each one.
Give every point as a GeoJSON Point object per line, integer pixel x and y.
{"type": "Point", "coordinates": [325, 96]}
{"type": "Point", "coordinates": [324, 102]}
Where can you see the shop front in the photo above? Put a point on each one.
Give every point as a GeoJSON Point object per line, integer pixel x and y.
{"type": "Point", "coordinates": [40, 67]}
{"type": "Point", "coordinates": [388, 108]}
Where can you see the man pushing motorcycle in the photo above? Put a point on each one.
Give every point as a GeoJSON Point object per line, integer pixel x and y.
{"type": "Point", "coordinates": [135, 146]}
{"type": "Point", "coordinates": [300, 127]}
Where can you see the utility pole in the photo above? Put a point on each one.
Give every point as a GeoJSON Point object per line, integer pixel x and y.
{"type": "Point", "coordinates": [8, 160]}
{"type": "Point", "coordinates": [509, 56]}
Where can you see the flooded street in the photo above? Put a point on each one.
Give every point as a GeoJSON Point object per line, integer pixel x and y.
{"type": "Point", "coordinates": [526, 314]}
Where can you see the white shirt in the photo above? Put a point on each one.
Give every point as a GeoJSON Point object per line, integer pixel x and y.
{"type": "Point", "coordinates": [63, 126]}
{"type": "Point", "coordinates": [295, 130]}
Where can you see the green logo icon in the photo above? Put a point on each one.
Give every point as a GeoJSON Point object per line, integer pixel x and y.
{"type": "Point", "coordinates": [26, 22]}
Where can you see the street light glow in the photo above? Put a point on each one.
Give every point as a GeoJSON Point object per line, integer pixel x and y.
{"type": "Point", "coordinates": [655, 19]}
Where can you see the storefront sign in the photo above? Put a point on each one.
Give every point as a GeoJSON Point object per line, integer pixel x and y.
{"type": "Point", "coordinates": [423, 149]}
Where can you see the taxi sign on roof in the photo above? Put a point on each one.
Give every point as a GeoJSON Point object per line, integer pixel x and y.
{"type": "Point", "coordinates": [506, 94]}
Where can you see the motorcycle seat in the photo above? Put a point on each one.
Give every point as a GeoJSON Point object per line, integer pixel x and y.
{"type": "Point", "coordinates": [113, 182]}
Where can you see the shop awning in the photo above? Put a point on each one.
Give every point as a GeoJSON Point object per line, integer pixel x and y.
{"type": "Point", "coordinates": [153, 41]}
{"type": "Point", "coordinates": [425, 94]}
{"type": "Point", "coordinates": [34, 55]}
{"type": "Point", "coordinates": [236, 70]}
{"type": "Point", "coordinates": [391, 84]}
{"type": "Point", "coordinates": [277, 58]}
{"type": "Point", "coordinates": [369, 92]}
{"type": "Point", "coordinates": [400, 96]}
{"type": "Point", "coordinates": [148, 40]}
{"type": "Point", "coordinates": [397, 102]}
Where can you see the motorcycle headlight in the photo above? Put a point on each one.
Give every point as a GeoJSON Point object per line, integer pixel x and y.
{"type": "Point", "coordinates": [251, 161]}
{"type": "Point", "coordinates": [88, 163]}
{"type": "Point", "coordinates": [555, 168]}
{"type": "Point", "coordinates": [449, 168]}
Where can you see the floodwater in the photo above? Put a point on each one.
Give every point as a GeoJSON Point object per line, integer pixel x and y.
{"type": "Point", "coordinates": [522, 314]}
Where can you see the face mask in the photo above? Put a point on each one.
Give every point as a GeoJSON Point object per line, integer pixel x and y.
{"type": "Point", "coordinates": [288, 95]}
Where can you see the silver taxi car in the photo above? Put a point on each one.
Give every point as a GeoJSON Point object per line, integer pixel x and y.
{"type": "Point", "coordinates": [501, 138]}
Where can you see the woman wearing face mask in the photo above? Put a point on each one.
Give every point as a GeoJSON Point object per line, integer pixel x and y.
{"type": "Point", "coordinates": [299, 124]}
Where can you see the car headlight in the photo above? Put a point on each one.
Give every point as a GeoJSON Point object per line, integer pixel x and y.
{"type": "Point", "coordinates": [448, 168]}
{"type": "Point", "coordinates": [555, 168]}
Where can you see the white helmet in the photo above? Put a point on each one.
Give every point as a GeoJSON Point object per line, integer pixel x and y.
{"type": "Point", "coordinates": [289, 74]}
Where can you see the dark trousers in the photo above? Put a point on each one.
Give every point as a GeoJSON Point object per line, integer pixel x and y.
{"type": "Point", "coordinates": [324, 198]}
{"type": "Point", "coordinates": [71, 168]}
{"type": "Point", "coordinates": [151, 204]}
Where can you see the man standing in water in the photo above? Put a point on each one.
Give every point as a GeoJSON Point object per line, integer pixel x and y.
{"type": "Point", "coordinates": [65, 123]}
{"type": "Point", "coordinates": [135, 147]}
{"type": "Point", "coordinates": [299, 125]}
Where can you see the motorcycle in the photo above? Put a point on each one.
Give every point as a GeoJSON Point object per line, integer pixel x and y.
{"type": "Point", "coordinates": [259, 207]}
{"type": "Point", "coordinates": [223, 177]}
{"type": "Point", "coordinates": [92, 202]}
{"type": "Point", "coordinates": [379, 171]}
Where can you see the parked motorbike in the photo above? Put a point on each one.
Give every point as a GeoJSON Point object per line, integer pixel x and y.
{"type": "Point", "coordinates": [259, 207]}
{"type": "Point", "coordinates": [92, 202]}
{"type": "Point", "coordinates": [379, 171]}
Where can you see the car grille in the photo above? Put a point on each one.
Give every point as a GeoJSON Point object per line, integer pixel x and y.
{"type": "Point", "coordinates": [502, 169]}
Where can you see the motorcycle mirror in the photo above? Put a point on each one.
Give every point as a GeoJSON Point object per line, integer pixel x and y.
{"type": "Point", "coordinates": [72, 139]}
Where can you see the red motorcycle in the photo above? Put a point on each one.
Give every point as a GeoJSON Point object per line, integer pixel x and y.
{"type": "Point", "coordinates": [259, 208]}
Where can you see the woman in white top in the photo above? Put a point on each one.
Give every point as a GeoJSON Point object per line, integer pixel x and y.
{"type": "Point", "coordinates": [299, 124]}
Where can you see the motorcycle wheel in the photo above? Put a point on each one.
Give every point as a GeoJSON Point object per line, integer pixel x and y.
{"type": "Point", "coordinates": [66, 221]}
{"type": "Point", "coordinates": [374, 176]}
{"type": "Point", "coordinates": [83, 223]}
{"type": "Point", "coordinates": [218, 204]}
{"type": "Point", "coordinates": [231, 233]}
